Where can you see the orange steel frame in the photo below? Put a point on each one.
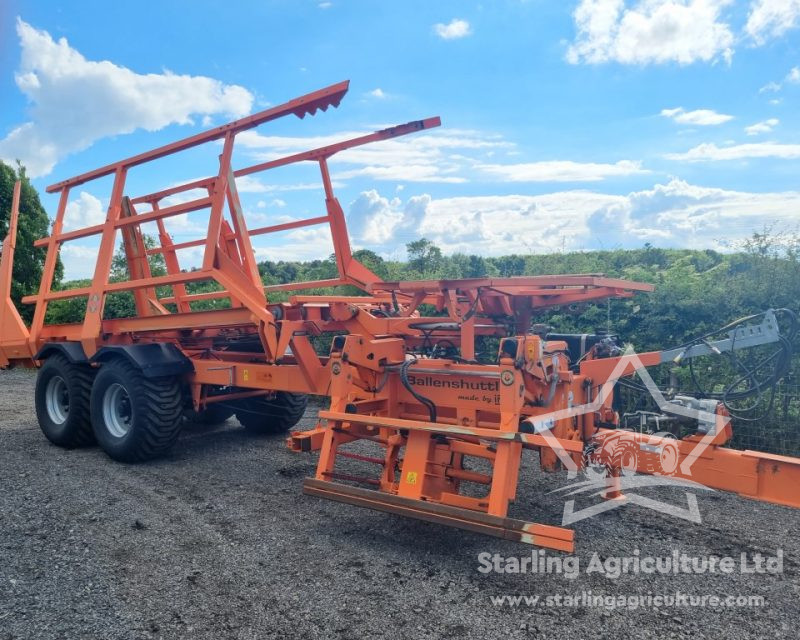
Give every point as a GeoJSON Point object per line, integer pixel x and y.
{"type": "Point", "coordinates": [424, 456]}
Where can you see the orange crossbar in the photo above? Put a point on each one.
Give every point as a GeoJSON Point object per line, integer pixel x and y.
{"type": "Point", "coordinates": [532, 439]}
{"type": "Point", "coordinates": [512, 285]}
{"type": "Point", "coordinates": [127, 285]}
{"type": "Point", "coordinates": [141, 218]}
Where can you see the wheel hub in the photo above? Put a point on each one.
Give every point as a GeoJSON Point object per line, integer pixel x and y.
{"type": "Point", "coordinates": [57, 400]}
{"type": "Point", "coordinates": [117, 410]}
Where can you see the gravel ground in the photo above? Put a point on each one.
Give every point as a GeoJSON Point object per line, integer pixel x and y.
{"type": "Point", "coordinates": [217, 541]}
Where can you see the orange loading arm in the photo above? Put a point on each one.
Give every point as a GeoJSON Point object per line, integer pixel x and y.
{"type": "Point", "coordinates": [703, 459]}
{"type": "Point", "coordinates": [700, 457]}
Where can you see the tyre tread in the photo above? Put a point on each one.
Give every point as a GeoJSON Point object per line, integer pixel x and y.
{"type": "Point", "coordinates": [272, 415]}
{"type": "Point", "coordinates": [160, 404]}
{"type": "Point", "coordinates": [80, 377]}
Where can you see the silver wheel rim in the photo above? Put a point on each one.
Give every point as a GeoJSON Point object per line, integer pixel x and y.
{"type": "Point", "coordinates": [56, 397]}
{"type": "Point", "coordinates": [117, 410]}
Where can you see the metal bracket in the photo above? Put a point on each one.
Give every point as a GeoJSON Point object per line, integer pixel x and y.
{"type": "Point", "coordinates": [740, 338]}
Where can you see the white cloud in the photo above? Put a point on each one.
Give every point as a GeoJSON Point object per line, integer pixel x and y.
{"type": "Point", "coordinates": [282, 145]}
{"type": "Point", "coordinates": [314, 243]}
{"type": "Point", "coordinates": [651, 32]}
{"type": "Point", "coordinates": [409, 172]}
{"type": "Point", "coordinates": [183, 224]}
{"type": "Point", "coordinates": [562, 171]}
{"type": "Point", "coordinates": [710, 151]}
{"type": "Point", "coordinates": [79, 260]}
{"type": "Point", "coordinates": [451, 156]}
{"type": "Point", "coordinates": [75, 101]}
{"type": "Point", "coordinates": [182, 197]}
{"type": "Point", "coordinates": [486, 225]}
{"type": "Point", "coordinates": [454, 29]}
{"type": "Point", "coordinates": [423, 157]}
{"type": "Point", "coordinates": [375, 218]}
{"type": "Point", "coordinates": [325, 5]}
{"type": "Point", "coordinates": [496, 225]}
{"type": "Point", "coordinates": [793, 77]}
{"type": "Point", "coordinates": [685, 215]}
{"type": "Point", "coordinates": [252, 184]}
{"type": "Point", "coordinates": [674, 214]}
{"type": "Point", "coordinates": [377, 93]}
{"type": "Point", "coordinates": [85, 211]}
{"type": "Point", "coordinates": [378, 221]}
{"type": "Point", "coordinates": [700, 117]}
{"type": "Point", "coordinates": [772, 18]}
{"type": "Point", "coordinates": [765, 126]}
{"type": "Point", "coordinates": [249, 184]}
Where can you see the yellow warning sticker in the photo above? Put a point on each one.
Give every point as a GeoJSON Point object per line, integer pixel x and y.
{"type": "Point", "coordinates": [245, 375]}
{"type": "Point", "coordinates": [411, 477]}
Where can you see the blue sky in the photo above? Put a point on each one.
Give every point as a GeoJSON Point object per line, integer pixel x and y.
{"type": "Point", "coordinates": [566, 125]}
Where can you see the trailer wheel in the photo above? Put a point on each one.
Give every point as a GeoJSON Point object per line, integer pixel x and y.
{"type": "Point", "coordinates": [271, 415]}
{"type": "Point", "coordinates": [62, 402]}
{"type": "Point", "coordinates": [135, 418]}
{"type": "Point", "coordinates": [215, 413]}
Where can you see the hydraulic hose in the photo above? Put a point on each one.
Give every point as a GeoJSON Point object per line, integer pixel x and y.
{"type": "Point", "coordinates": [425, 401]}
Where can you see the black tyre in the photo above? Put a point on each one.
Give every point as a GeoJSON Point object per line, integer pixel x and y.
{"type": "Point", "coordinates": [215, 413]}
{"type": "Point", "coordinates": [62, 402]}
{"type": "Point", "coordinates": [135, 418]}
{"type": "Point", "coordinates": [271, 415]}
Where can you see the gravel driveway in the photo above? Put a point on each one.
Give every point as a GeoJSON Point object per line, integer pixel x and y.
{"type": "Point", "coordinates": [217, 541]}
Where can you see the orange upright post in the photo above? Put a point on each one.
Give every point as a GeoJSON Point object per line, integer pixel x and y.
{"type": "Point", "coordinates": [15, 343]}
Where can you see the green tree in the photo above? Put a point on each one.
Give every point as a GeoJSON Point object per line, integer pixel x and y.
{"type": "Point", "coordinates": [424, 257]}
{"type": "Point", "coordinates": [122, 305]}
{"type": "Point", "coordinates": [507, 266]}
{"type": "Point", "coordinates": [117, 305]}
{"type": "Point", "coordinates": [373, 262]}
{"type": "Point", "coordinates": [33, 224]}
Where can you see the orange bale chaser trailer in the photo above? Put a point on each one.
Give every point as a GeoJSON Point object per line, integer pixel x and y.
{"type": "Point", "coordinates": [445, 428]}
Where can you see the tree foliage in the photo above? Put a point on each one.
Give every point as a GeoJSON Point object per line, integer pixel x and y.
{"type": "Point", "coordinates": [33, 224]}
{"type": "Point", "coordinates": [117, 305]}
{"type": "Point", "coordinates": [424, 257]}
{"type": "Point", "coordinates": [696, 291]}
